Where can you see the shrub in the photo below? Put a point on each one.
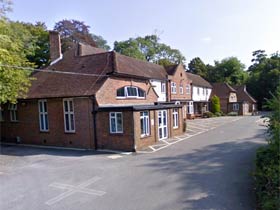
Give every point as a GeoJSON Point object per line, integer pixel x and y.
{"type": "Point", "coordinates": [232, 114]}
{"type": "Point", "coordinates": [267, 172]}
{"type": "Point", "coordinates": [208, 114]}
{"type": "Point", "coordinates": [218, 114]}
{"type": "Point", "coordinates": [215, 104]}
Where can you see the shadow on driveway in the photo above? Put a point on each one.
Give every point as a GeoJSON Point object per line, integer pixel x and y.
{"type": "Point", "coordinates": [216, 176]}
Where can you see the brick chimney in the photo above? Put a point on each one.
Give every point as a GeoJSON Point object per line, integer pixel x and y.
{"type": "Point", "coordinates": [55, 46]}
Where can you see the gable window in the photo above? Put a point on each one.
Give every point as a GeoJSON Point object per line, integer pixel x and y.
{"type": "Point", "coordinates": [43, 115]}
{"type": "Point", "coordinates": [116, 122]}
{"type": "Point", "coordinates": [235, 107]}
{"type": "Point", "coordinates": [188, 89]}
{"type": "Point", "coordinates": [181, 89]}
{"type": "Point", "coordinates": [173, 87]}
{"type": "Point", "coordinates": [145, 123]}
{"type": "Point", "coordinates": [69, 118]}
{"type": "Point", "coordinates": [1, 114]}
{"type": "Point", "coordinates": [175, 118]}
{"type": "Point", "coordinates": [130, 92]}
{"type": "Point", "coordinates": [13, 112]}
{"type": "Point", "coordinates": [163, 87]}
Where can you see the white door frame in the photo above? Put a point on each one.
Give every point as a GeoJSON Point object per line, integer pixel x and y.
{"type": "Point", "coordinates": [164, 125]}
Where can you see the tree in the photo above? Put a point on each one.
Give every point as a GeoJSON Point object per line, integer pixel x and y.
{"type": "Point", "coordinates": [72, 31]}
{"type": "Point", "coordinates": [150, 49]}
{"type": "Point", "coordinates": [215, 104]}
{"type": "Point", "coordinates": [5, 6]}
{"type": "Point", "coordinates": [100, 42]}
{"type": "Point", "coordinates": [229, 70]}
{"type": "Point", "coordinates": [264, 76]}
{"type": "Point", "coordinates": [196, 66]}
{"type": "Point", "coordinates": [14, 82]}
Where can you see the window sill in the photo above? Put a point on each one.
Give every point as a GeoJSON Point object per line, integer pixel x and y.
{"type": "Point", "coordinates": [116, 134]}
{"type": "Point", "coordinates": [130, 98]}
{"type": "Point", "coordinates": [41, 131]}
{"type": "Point", "coordinates": [15, 121]}
{"type": "Point", "coordinates": [69, 132]}
{"type": "Point", "coordinates": [175, 128]}
{"type": "Point", "coordinates": [145, 136]}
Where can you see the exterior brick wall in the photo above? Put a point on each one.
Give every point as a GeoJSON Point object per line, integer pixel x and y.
{"type": "Point", "coordinates": [180, 77]}
{"type": "Point", "coordinates": [107, 94]}
{"type": "Point", "coordinates": [115, 141]}
{"type": "Point", "coordinates": [27, 128]}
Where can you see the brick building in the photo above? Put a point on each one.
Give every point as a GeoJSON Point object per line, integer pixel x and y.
{"type": "Point", "coordinates": [88, 98]}
{"type": "Point", "coordinates": [179, 89]}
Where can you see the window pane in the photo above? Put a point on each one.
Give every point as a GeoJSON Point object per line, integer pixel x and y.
{"type": "Point", "coordinates": [131, 91]}
{"type": "Point", "coordinates": [46, 122]}
{"type": "Point", "coordinates": [40, 106]}
{"type": "Point", "coordinates": [67, 122]}
{"type": "Point", "coordinates": [119, 122]}
{"type": "Point", "coordinates": [41, 122]}
{"type": "Point", "coordinates": [45, 106]}
{"type": "Point", "coordinates": [65, 106]}
{"type": "Point", "coordinates": [113, 125]}
{"type": "Point", "coordinates": [70, 106]}
{"type": "Point", "coordinates": [141, 93]}
{"type": "Point", "coordinates": [120, 92]}
{"type": "Point", "coordinates": [72, 122]}
{"type": "Point", "coordinates": [142, 126]}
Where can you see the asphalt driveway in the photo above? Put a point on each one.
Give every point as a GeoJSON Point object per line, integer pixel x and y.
{"type": "Point", "coordinates": [211, 170]}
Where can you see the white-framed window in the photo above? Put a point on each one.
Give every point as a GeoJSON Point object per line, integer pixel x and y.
{"type": "Point", "coordinates": [163, 87]}
{"type": "Point", "coordinates": [145, 123]}
{"type": "Point", "coordinates": [13, 112]}
{"type": "Point", "coordinates": [190, 107]}
{"type": "Point", "coordinates": [130, 92]}
{"type": "Point", "coordinates": [173, 87]}
{"type": "Point", "coordinates": [69, 117]}
{"type": "Point", "coordinates": [235, 107]}
{"type": "Point", "coordinates": [203, 91]}
{"type": "Point", "coordinates": [175, 118]}
{"type": "Point", "coordinates": [206, 91]}
{"type": "Point", "coordinates": [1, 114]}
{"type": "Point", "coordinates": [43, 115]}
{"type": "Point", "coordinates": [197, 90]}
{"type": "Point", "coordinates": [188, 89]}
{"type": "Point", "coordinates": [116, 122]}
{"type": "Point", "coordinates": [181, 89]}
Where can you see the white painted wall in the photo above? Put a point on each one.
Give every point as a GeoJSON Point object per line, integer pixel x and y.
{"type": "Point", "coordinates": [157, 87]}
{"type": "Point", "coordinates": [203, 95]}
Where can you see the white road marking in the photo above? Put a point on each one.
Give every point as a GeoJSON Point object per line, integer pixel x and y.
{"type": "Point", "coordinates": [114, 156]}
{"type": "Point", "coordinates": [81, 188]}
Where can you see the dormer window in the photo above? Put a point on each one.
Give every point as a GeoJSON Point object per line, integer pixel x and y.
{"type": "Point", "coordinates": [130, 92]}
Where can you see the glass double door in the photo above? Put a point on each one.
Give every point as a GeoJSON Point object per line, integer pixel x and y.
{"type": "Point", "coordinates": [162, 124]}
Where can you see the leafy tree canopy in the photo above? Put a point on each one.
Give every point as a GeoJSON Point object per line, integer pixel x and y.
{"type": "Point", "coordinates": [196, 66]}
{"type": "Point", "coordinates": [150, 49]}
{"type": "Point", "coordinates": [100, 42]}
{"type": "Point", "coordinates": [73, 31]}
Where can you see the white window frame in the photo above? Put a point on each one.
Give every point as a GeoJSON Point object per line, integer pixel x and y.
{"type": "Point", "coordinates": [13, 112]}
{"type": "Point", "coordinates": [198, 91]}
{"type": "Point", "coordinates": [115, 118]}
{"type": "Point", "coordinates": [190, 107]}
{"type": "Point", "coordinates": [188, 89]}
{"type": "Point", "coordinates": [163, 87]}
{"type": "Point", "coordinates": [67, 114]}
{"type": "Point", "coordinates": [203, 91]}
{"type": "Point", "coordinates": [175, 114]}
{"type": "Point", "coordinates": [173, 88]}
{"type": "Point", "coordinates": [144, 117]}
{"type": "Point", "coordinates": [44, 114]}
{"type": "Point", "coordinates": [181, 89]}
{"type": "Point", "coordinates": [127, 96]}
{"type": "Point", "coordinates": [235, 107]}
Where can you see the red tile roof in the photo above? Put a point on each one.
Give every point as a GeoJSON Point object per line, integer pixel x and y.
{"type": "Point", "coordinates": [222, 90]}
{"type": "Point", "coordinates": [97, 66]}
{"type": "Point", "coordinates": [243, 95]}
{"type": "Point", "coordinates": [198, 80]}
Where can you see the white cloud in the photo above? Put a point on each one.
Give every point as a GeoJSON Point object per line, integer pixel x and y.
{"type": "Point", "coordinates": [206, 39]}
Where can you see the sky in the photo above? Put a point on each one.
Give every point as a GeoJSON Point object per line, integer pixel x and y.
{"type": "Point", "coordinates": [209, 29]}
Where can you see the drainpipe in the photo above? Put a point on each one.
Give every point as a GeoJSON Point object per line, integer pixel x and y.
{"type": "Point", "coordinates": [94, 112]}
